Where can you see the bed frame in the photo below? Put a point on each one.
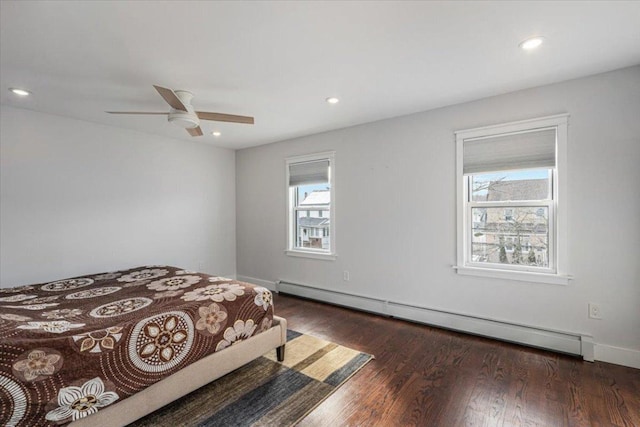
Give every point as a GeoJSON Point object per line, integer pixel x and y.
{"type": "Point", "coordinates": [190, 378]}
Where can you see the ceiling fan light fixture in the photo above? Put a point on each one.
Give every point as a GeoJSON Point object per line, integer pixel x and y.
{"type": "Point", "coordinates": [183, 119]}
{"type": "Point", "coordinates": [19, 92]}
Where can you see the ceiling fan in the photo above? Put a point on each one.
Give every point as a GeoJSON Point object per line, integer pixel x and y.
{"type": "Point", "coordinates": [182, 113]}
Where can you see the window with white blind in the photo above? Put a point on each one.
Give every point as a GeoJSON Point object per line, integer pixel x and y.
{"type": "Point", "coordinates": [511, 211]}
{"type": "Point", "coordinates": [310, 207]}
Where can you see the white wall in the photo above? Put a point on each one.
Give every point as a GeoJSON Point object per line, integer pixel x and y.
{"type": "Point", "coordinates": [79, 198]}
{"type": "Point", "coordinates": [397, 177]}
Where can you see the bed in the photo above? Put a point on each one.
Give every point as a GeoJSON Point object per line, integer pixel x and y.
{"type": "Point", "coordinates": [107, 349]}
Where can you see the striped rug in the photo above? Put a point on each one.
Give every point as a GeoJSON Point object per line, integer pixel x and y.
{"type": "Point", "coordinates": [266, 392]}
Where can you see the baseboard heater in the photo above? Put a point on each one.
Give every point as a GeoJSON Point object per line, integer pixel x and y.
{"type": "Point", "coordinates": [560, 341]}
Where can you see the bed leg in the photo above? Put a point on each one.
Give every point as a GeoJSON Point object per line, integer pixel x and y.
{"type": "Point", "coordinates": [280, 353]}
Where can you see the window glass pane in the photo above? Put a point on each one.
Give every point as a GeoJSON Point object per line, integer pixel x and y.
{"type": "Point", "coordinates": [313, 195]}
{"type": "Point", "coordinates": [531, 184]}
{"type": "Point", "coordinates": [521, 240]}
{"type": "Point", "coordinates": [312, 230]}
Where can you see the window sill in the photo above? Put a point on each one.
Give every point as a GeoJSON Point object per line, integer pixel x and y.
{"type": "Point", "coordinates": [309, 254]}
{"type": "Point", "coordinates": [522, 276]}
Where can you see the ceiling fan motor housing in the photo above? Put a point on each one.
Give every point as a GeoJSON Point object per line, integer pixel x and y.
{"type": "Point", "coordinates": [185, 119]}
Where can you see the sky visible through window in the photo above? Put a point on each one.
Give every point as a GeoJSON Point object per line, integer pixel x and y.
{"type": "Point", "coordinates": [517, 175]}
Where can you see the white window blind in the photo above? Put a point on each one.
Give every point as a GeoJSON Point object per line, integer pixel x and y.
{"type": "Point", "coordinates": [524, 150]}
{"type": "Point", "coordinates": [314, 172]}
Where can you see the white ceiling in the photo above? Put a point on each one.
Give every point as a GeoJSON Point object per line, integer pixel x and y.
{"type": "Point", "coordinates": [278, 61]}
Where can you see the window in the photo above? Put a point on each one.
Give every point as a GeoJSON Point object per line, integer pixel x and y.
{"type": "Point", "coordinates": [508, 214]}
{"type": "Point", "coordinates": [511, 183]}
{"type": "Point", "coordinates": [310, 207]}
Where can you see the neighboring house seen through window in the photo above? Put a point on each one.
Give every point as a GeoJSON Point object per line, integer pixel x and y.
{"type": "Point", "coordinates": [310, 206]}
{"type": "Point", "coordinates": [511, 215]}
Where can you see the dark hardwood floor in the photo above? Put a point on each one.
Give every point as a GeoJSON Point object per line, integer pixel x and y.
{"type": "Point", "coordinates": [425, 376]}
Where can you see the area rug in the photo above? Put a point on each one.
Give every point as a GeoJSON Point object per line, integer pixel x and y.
{"type": "Point", "coordinates": [266, 392]}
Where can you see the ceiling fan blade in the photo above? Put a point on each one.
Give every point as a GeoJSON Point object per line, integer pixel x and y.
{"type": "Point", "coordinates": [134, 112]}
{"type": "Point", "coordinates": [219, 117]}
{"type": "Point", "coordinates": [195, 131]}
{"type": "Point", "coordinates": [171, 98]}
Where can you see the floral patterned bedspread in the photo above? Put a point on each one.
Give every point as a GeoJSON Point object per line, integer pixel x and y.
{"type": "Point", "coordinates": [71, 347]}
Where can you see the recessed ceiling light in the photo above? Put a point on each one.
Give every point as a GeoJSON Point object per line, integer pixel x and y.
{"type": "Point", "coordinates": [531, 43]}
{"type": "Point", "coordinates": [332, 100]}
{"type": "Point", "coordinates": [216, 133]}
{"type": "Point", "coordinates": [20, 92]}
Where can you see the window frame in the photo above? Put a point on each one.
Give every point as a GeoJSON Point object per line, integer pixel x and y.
{"type": "Point", "coordinates": [292, 209]}
{"type": "Point", "coordinates": [558, 224]}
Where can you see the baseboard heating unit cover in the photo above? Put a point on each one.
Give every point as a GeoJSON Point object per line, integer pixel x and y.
{"type": "Point", "coordinates": [560, 341]}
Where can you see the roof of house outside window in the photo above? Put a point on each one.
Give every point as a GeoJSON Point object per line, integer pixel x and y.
{"type": "Point", "coordinates": [529, 189]}
{"type": "Point", "coordinates": [317, 197]}
{"type": "Point", "coordinates": [313, 222]}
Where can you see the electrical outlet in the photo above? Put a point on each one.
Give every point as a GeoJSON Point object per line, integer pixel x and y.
{"type": "Point", "coordinates": [345, 276]}
{"type": "Point", "coordinates": [594, 311]}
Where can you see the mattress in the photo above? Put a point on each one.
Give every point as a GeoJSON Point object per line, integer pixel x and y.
{"type": "Point", "coordinates": [72, 347]}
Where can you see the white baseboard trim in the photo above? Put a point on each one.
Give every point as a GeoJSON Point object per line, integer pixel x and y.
{"type": "Point", "coordinates": [264, 283]}
{"type": "Point", "coordinates": [618, 355]}
{"type": "Point", "coordinates": [561, 341]}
